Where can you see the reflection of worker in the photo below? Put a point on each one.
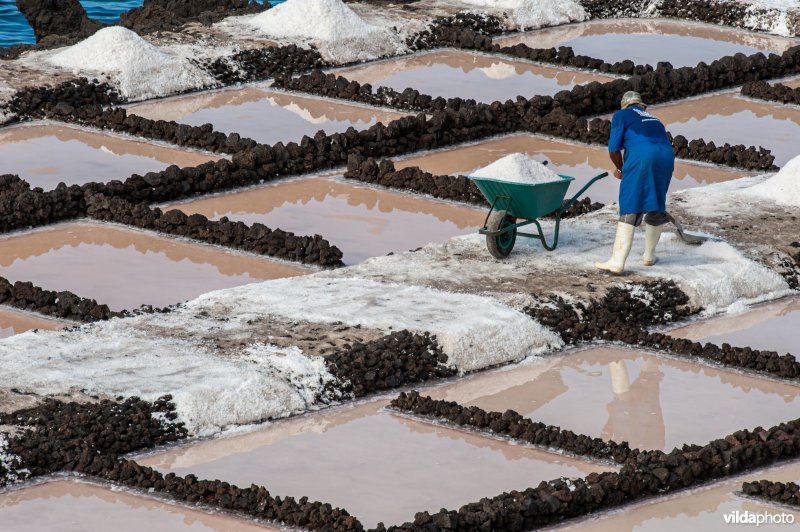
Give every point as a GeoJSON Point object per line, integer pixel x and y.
{"type": "Point", "coordinates": [635, 412]}
{"type": "Point", "coordinates": [646, 173]}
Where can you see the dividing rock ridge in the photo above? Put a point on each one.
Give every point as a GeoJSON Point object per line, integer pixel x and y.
{"type": "Point", "coordinates": [623, 317]}
{"type": "Point", "coordinates": [256, 238]}
{"type": "Point", "coordinates": [65, 304]}
{"type": "Point", "coordinates": [57, 22]}
{"type": "Point", "coordinates": [783, 493]}
{"type": "Point", "coordinates": [644, 473]}
{"type": "Point", "coordinates": [775, 93]}
{"type": "Point", "coordinates": [398, 359]}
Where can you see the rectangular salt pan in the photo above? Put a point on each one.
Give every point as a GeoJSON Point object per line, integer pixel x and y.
{"type": "Point", "coordinates": [378, 466]}
{"type": "Point", "coordinates": [650, 401]}
{"type": "Point", "coordinates": [730, 118]}
{"type": "Point", "coordinates": [77, 506]}
{"type": "Point", "coordinates": [651, 41]}
{"type": "Point", "coordinates": [577, 160]}
{"type": "Point", "coordinates": [772, 326]}
{"type": "Point", "coordinates": [466, 75]}
{"type": "Point", "coordinates": [363, 221]}
{"type": "Point", "coordinates": [45, 155]}
{"type": "Point", "coordinates": [264, 115]}
{"type": "Point", "coordinates": [126, 269]}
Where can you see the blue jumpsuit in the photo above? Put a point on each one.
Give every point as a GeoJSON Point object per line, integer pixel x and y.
{"type": "Point", "coordinates": [648, 163]}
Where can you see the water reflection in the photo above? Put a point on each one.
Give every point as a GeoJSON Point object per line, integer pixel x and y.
{"type": "Point", "coordinates": [733, 119]}
{"type": "Point", "coordinates": [771, 326]}
{"type": "Point", "coordinates": [45, 155]}
{"type": "Point", "coordinates": [700, 509]}
{"type": "Point", "coordinates": [650, 41]}
{"type": "Point", "coordinates": [650, 401]}
{"type": "Point", "coordinates": [264, 115]}
{"type": "Point", "coordinates": [363, 221]}
{"type": "Point", "coordinates": [126, 269]}
{"type": "Point", "coordinates": [378, 466]}
{"type": "Point", "coordinates": [485, 78]}
{"type": "Point", "coordinates": [14, 322]}
{"type": "Point", "coordinates": [581, 161]}
{"type": "Point", "coordinates": [78, 506]}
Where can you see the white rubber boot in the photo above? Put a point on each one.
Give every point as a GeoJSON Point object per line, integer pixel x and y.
{"type": "Point", "coordinates": [651, 235]}
{"type": "Point", "coordinates": [622, 247]}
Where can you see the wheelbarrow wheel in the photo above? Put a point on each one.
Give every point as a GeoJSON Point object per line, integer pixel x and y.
{"type": "Point", "coordinates": [500, 246]}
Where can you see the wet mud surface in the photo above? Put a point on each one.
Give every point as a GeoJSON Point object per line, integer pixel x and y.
{"type": "Point", "coordinates": [120, 267]}
{"type": "Point", "coordinates": [483, 78]}
{"type": "Point", "coordinates": [650, 401]}
{"type": "Point", "coordinates": [363, 221]}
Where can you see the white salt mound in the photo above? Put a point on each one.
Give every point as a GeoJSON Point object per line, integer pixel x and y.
{"type": "Point", "coordinates": [140, 69]}
{"type": "Point", "coordinates": [343, 35]}
{"type": "Point", "coordinates": [533, 13]}
{"type": "Point", "coordinates": [518, 168]}
{"type": "Point", "coordinates": [783, 188]}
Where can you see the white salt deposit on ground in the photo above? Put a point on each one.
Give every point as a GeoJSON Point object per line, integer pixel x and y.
{"type": "Point", "coordinates": [530, 14]}
{"type": "Point", "coordinates": [340, 34]}
{"type": "Point", "coordinates": [139, 69]}
{"type": "Point", "coordinates": [174, 353]}
{"type": "Point", "coordinates": [474, 331]}
{"type": "Point", "coordinates": [714, 275]}
{"type": "Point", "coordinates": [128, 358]}
{"type": "Point", "coordinates": [783, 188]}
{"type": "Point", "coordinates": [10, 462]}
{"type": "Point", "coordinates": [518, 168]}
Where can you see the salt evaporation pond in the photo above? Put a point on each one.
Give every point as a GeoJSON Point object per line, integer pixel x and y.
{"type": "Point", "coordinates": [362, 221]}
{"type": "Point", "coordinates": [264, 115]}
{"type": "Point", "coordinates": [699, 510]}
{"type": "Point", "coordinates": [484, 78]}
{"type": "Point", "coordinates": [125, 268]}
{"type": "Point", "coordinates": [730, 118]}
{"type": "Point", "coordinates": [47, 154]}
{"type": "Point", "coordinates": [580, 161]}
{"type": "Point", "coordinates": [378, 466]}
{"type": "Point", "coordinates": [15, 322]}
{"type": "Point", "coordinates": [650, 401]}
{"type": "Point", "coordinates": [79, 506]}
{"type": "Point", "coordinates": [771, 326]}
{"type": "Point", "coordinates": [650, 41]}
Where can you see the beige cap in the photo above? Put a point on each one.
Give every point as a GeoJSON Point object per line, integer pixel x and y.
{"type": "Point", "coordinates": [631, 98]}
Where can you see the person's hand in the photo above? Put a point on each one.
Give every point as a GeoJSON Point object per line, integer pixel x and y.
{"type": "Point", "coordinates": [618, 173]}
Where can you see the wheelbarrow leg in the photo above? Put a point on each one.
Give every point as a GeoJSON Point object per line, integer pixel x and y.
{"type": "Point", "coordinates": [542, 238]}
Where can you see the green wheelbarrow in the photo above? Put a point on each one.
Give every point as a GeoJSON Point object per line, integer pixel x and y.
{"type": "Point", "coordinates": [512, 201]}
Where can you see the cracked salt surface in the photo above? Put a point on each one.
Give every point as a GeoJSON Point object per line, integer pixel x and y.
{"type": "Point", "coordinates": [176, 353]}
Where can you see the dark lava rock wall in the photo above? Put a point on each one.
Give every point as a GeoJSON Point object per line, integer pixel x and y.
{"type": "Point", "coordinates": [57, 22]}
{"type": "Point", "coordinates": [64, 305]}
{"type": "Point", "coordinates": [398, 359]}
{"type": "Point", "coordinates": [776, 93]}
{"type": "Point", "coordinates": [780, 492]}
{"type": "Point", "coordinates": [256, 238]}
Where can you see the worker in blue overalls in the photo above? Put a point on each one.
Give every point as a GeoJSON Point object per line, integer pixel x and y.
{"type": "Point", "coordinates": [645, 173]}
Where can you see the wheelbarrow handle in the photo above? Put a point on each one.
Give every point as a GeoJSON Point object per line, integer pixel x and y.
{"type": "Point", "coordinates": [574, 198]}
